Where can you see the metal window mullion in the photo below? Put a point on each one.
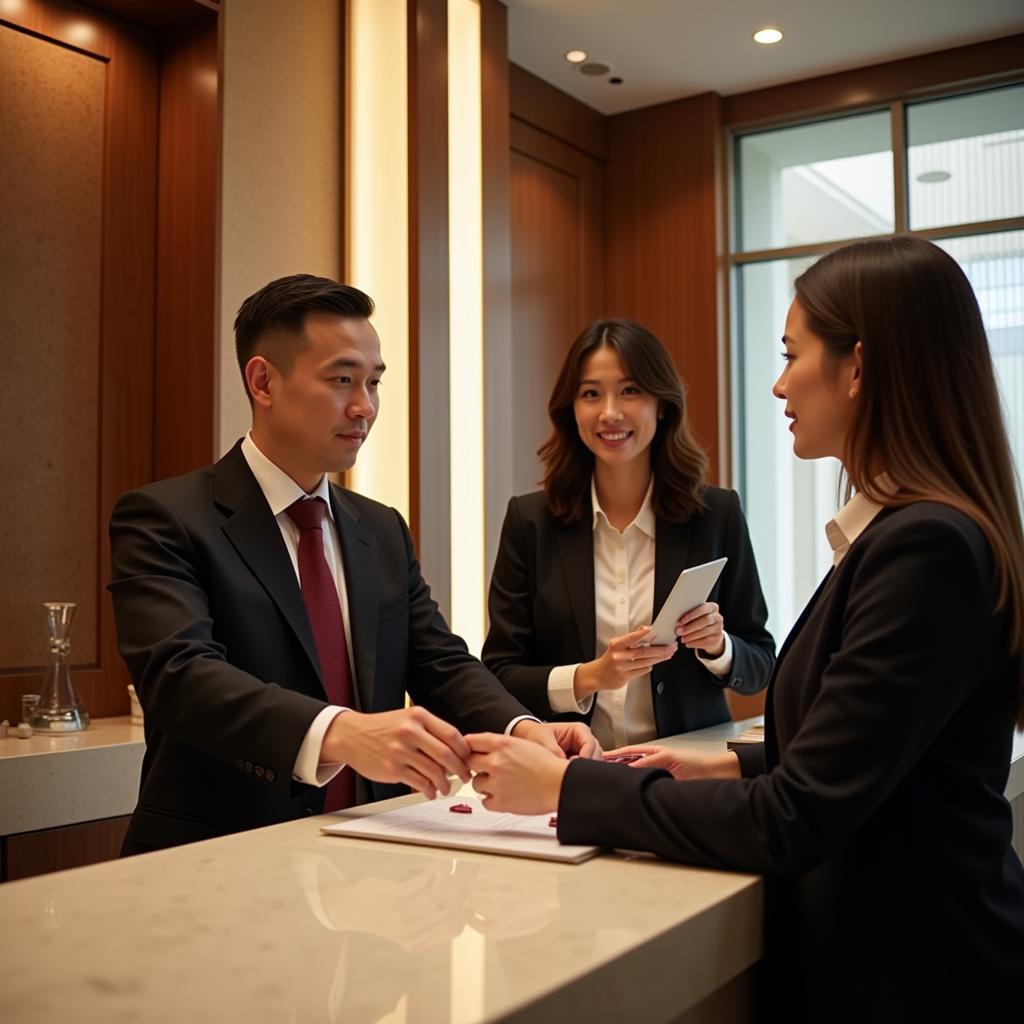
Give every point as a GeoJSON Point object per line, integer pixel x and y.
{"type": "Point", "coordinates": [982, 227]}
{"type": "Point", "coordinates": [900, 194]}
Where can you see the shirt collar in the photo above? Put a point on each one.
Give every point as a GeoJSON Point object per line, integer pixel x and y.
{"type": "Point", "coordinates": [849, 523]}
{"type": "Point", "coordinates": [278, 487]}
{"type": "Point", "coordinates": [643, 520]}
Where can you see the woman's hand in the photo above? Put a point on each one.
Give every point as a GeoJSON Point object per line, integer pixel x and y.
{"type": "Point", "coordinates": [685, 765]}
{"type": "Point", "coordinates": [622, 660]}
{"type": "Point", "coordinates": [514, 775]}
{"type": "Point", "coordinates": [703, 628]}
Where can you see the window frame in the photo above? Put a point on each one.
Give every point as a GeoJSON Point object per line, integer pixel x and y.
{"type": "Point", "coordinates": [736, 260]}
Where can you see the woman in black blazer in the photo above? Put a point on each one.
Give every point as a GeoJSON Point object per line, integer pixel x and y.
{"type": "Point", "coordinates": [584, 564]}
{"type": "Point", "coordinates": [875, 807]}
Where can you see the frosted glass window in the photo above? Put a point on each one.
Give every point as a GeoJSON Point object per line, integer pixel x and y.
{"type": "Point", "coordinates": [814, 182]}
{"type": "Point", "coordinates": [994, 264]}
{"type": "Point", "coordinates": [965, 158]}
{"type": "Point", "coordinates": [787, 500]}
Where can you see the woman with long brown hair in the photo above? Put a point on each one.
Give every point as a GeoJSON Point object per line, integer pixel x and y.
{"type": "Point", "coordinates": [875, 807]}
{"type": "Point", "coordinates": [585, 563]}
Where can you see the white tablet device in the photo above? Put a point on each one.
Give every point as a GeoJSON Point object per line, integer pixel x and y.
{"type": "Point", "coordinates": [691, 589]}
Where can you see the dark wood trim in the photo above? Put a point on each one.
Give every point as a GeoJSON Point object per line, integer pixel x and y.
{"type": "Point", "coordinates": [186, 356]}
{"type": "Point", "coordinates": [28, 854]}
{"type": "Point", "coordinates": [429, 291]}
{"type": "Point", "coordinates": [497, 268]}
{"type": "Point", "coordinates": [550, 110]}
{"type": "Point", "coordinates": [898, 125]}
{"type": "Point", "coordinates": [878, 84]}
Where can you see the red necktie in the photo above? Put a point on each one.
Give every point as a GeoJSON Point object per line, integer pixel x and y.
{"type": "Point", "coordinates": [320, 595]}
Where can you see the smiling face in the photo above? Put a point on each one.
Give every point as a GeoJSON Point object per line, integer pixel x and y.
{"type": "Point", "coordinates": [819, 390]}
{"type": "Point", "coordinates": [615, 419]}
{"type": "Point", "coordinates": [315, 417]}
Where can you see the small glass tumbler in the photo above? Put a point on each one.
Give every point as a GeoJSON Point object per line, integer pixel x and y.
{"type": "Point", "coordinates": [29, 703]}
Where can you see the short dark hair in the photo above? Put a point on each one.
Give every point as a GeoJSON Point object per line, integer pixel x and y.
{"type": "Point", "coordinates": [270, 321]}
{"type": "Point", "coordinates": [678, 462]}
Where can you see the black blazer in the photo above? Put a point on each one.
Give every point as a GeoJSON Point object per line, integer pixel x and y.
{"type": "Point", "coordinates": [875, 806]}
{"type": "Point", "coordinates": [542, 608]}
{"type": "Point", "coordinates": [211, 624]}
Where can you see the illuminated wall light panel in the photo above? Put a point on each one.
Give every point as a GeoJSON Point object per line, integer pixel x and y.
{"type": "Point", "coordinates": [377, 217]}
{"type": "Point", "coordinates": [465, 199]}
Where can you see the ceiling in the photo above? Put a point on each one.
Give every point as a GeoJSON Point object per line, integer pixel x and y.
{"type": "Point", "coordinates": [667, 49]}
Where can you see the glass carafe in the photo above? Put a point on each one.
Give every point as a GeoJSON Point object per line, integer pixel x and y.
{"type": "Point", "coordinates": [59, 709]}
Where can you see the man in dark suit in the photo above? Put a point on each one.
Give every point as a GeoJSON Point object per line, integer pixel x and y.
{"type": "Point", "coordinates": [272, 622]}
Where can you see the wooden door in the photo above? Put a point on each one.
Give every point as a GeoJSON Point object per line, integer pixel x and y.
{"type": "Point", "coordinates": [556, 195]}
{"type": "Point", "coordinates": [78, 203]}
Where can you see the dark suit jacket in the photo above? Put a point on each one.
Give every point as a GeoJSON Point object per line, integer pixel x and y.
{"type": "Point", "coordinates": [875, 806]}
{"type": "Point", "coordinates": [211, 624]}
{"type": "Point", "coordinates": [542, 608]}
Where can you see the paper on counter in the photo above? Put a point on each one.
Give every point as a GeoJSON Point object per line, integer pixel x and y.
{"type": "Point", "coordinates": [431, 823]}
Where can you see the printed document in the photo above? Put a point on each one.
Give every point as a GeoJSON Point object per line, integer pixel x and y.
{"type": "Point", "coordinates": [433, 823]}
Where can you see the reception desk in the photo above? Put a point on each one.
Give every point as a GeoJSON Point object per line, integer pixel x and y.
{"type": "Point", "coordinates": [283, 924]}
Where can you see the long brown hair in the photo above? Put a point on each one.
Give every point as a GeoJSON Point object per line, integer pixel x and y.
{"type": "Point", "coordinates": [928, 413]}
{"type": "Point", "coordinates": [678, 463]}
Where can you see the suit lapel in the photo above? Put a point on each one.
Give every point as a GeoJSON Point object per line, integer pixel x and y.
{"type": "Point", "coordinates": [576, 551]}
{"type": "Point", "coordinates": [359, 554]}
{"type": "Point", "coordinates": [671, 557]}
{"type": "Point", "coordinates": [799, 624]}
{"type": "Point", "coordinates": [255, 535]}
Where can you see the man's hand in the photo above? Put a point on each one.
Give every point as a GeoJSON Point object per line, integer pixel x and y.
{"type": "Point", "coordinates": [565, 739]}
{"type": "Point", "coordinates": [515, 776]}
{"type": "Point", "coordinates": [411, 746]}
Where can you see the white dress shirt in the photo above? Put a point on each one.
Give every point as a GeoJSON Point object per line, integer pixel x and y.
{"type": "Point", "coordinates": [623, 600]}
{"type": "Point", "coordinates": [281, 491]}
{"type": "Point", "coordinates": [849, 523]}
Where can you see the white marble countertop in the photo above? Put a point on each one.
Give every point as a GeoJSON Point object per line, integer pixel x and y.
{"type": "Point", "coordinates": [49, 781]}
{"type": "Point", "coordinates": [286, 925]}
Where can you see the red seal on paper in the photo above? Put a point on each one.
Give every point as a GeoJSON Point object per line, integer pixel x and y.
{"type": "Point", "coordinates": [461, 809]}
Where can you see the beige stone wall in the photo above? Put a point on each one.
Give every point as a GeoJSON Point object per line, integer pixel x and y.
{"type": "Point", "coordinates": [281, 172]}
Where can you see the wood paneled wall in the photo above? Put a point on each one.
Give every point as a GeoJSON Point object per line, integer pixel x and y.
{"type": "Point", "coordinates": [183, 437]}
{"type": "Point", "coordinates": [664, 245]}
{"type": "Point", "coordinates": [156, 293]}
{"type": "Point", "coordinates": [557, 203]}
{"type": "Point", "coordinates": [429, 507]}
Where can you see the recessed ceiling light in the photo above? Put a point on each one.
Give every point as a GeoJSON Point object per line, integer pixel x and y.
{"type": "Point", "coordinates": [934, 177]}
{"type": "Point", "coordinates": [575, 56]}
{"type": "Point", "coordinates": [767, 36]}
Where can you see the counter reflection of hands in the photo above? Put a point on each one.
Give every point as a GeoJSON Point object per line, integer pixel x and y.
{"type": "Point", "coordinates": [510, 900]}
{"type": "Point", "coordinates": [416, 908]}
{"type": "Point", "coordinates": [685, 765]}
{"type": "Point", "coordinates": [572, 739]}
{"type": "Point", "coordinates": [622, 661]}
{"type": "Point", "coordinates": [514, 775]}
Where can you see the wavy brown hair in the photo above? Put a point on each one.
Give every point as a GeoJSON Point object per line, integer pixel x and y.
{"type": "Point", "coordinates": [678, 463]}
{"type": "Point", "coordinates": [928, 414]}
